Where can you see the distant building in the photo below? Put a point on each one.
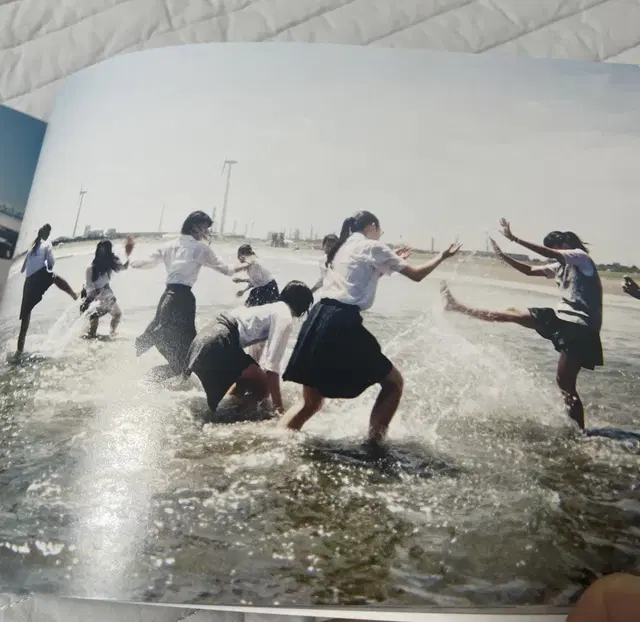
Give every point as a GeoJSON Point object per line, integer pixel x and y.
{"type": "Point", "coordinates": [111, 233]}
{"type": "Point", "coordinates": [11, 210]}
{"type": "Point", "coordinates": [87, 231]}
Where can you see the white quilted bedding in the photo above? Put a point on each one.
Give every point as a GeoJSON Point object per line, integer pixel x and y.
{"type": "Point", "coordinates": [42, 42]}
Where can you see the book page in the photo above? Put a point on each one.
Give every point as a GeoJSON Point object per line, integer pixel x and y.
{"type": "Point", "coordinates": [459, 427]}
{"type": "Point", "coordinates": [21, 138]}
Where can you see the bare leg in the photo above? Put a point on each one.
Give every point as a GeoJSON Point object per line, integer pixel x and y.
{"type": "Point", "coordinates": [237, 389]}
{"type": "Point", "coordinates": [301, 412]}
{"type": "Point", "coordinates": [567, 376]}
{"type": "Point", "coordinates": [252, 387]}
{"type": "Point", "coordinates": [115, 321]}
{"type": "Point", "coordinates": [65, 287]}
{"type": "Point", "coordinates": [386, 405]}
{"type": "Point", "coordinates": [93, 327]}
{"type": "Point", "coordinates": [24, 327]}
{"type": "Point", "coordinates": [515, 316]}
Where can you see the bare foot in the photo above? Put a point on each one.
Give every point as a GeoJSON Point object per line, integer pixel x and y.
{"type": "Point", "coordinates": [450, 303]}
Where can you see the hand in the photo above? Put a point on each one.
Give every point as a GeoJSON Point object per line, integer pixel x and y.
{"type": "Point", "coordinates": [506, 229]}
{"type": "Point", "coordinates": [496, 249]}
{"type": "Point", "coordinates": [236, 279]}
{"type": "Point", "coordinates": [129, 244]}
{"type": "Point", "coordinates": [614, 598]}
{"type": "Point", "coordinates": [631, 287]}
{"type": "Point", "coordinates": [240, 293]}
{"type": "Point", "coordinates": [404, 252]}
{"type": "Point", "coordinates": [451, 251]}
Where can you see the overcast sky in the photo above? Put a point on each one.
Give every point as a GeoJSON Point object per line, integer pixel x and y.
{"type": "Point", "coordinates": [20, 143]}
{"type": "Point", "coordinates": [437, 145]}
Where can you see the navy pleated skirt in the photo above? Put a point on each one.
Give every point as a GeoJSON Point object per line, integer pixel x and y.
{"type": "Point", "coordinates": [335, 354]}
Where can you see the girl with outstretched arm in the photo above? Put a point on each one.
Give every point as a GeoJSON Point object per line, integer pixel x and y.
{"type": "Point", "coordinates": [573, 327]}
{"type": "Point", "coordinates": [335, 356]}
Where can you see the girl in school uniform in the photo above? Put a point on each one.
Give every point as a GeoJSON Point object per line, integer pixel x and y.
{"type": "Point", "coordinates": [218, 358]}
{"type": "Point", "coordinates": [327, 243]}
{"type": "Point", "coordinates": [38, 268]}
{"type": "Point", "coordinates": [173, 328]}
{"type": "Point", "coordinates": [97, 292]}
{"type": "Point", "coordinates": [261, 285]}
{"type": "Point", "coordinates": [335, 356]}
{"type": "Point", "coordinates": [573, 327]}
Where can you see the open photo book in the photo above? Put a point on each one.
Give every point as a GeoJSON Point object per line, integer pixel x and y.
{"type": "Point", "coordinates": [322, 326]}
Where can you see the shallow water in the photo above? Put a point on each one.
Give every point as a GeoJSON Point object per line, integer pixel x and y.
{"type": "Point", "coordinates": [113, 488]}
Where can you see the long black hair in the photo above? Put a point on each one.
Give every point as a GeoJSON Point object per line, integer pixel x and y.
{"type": "Point", "coordinates": [43, 234]}
{"type": "Point", "coordinates": [105, 261]}
{"type": "Point", "coordinates": [354, 224]}
{"type": "Point", "coordinates": [298, 296]}
{"type": "Point", "coordinates": [193, 220]}
{"type": "Point", "coordinates": [557, 239]}
{"type": "Point", "coordinates": [328, 241]}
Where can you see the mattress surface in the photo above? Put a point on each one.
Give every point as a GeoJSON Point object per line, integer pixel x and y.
{"type": "Point", "coordinates": [42, 42]}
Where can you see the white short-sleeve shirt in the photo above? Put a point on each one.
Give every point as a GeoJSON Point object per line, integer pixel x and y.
{"type": "Point", "coordinates": [40, 258]}
{"type": "Point", "coordinates": [357, 268]}
{"type": "Point", "coordinates": [183, 260]}
{"type": "Point", "coordinates": [257, 274]}
{"type": "Point", "coordinates": [271, 323]}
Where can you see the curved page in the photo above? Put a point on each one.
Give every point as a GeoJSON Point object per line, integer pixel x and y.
{"type": "Point", "coordinates": [469, 438]}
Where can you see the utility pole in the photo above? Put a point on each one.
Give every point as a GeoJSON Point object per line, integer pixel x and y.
{"type": "Point", "coordinates": [81, 195]}
{"type": "Point", "coordinates": [227, 164]}
{"type": "Point", "coordinates": [161, 219]}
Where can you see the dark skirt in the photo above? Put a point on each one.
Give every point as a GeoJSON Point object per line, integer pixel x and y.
{"type": "Point", "coordinates": [578, 342]}
{"type": "Point", "coordinates": [263, 295]}
{"type": "Point", "coordinates": [335, 354]}
{"type": "Point", "coordinates": [173, 328]}
{"type": "Point", "coordinates": [35, 287]}
{"type": "Point", "coordinates": [217, 358]}
{"type": "Point", "coordinates": [107, 301]}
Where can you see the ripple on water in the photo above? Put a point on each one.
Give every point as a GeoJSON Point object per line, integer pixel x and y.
{"type": "Point", "coordinates": [486, 497]}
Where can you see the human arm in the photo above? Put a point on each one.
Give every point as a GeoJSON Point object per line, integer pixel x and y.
{"type": "Point", "coordinates": [631, 288]}
{"type": "Point", "coordinates": [273, 385]}
{"type": "Point", "coordinates": [49, 259]}
{"type": "Point", "coordinates": [320, 282]}
{"type": "Point", "coordinates": [520, 266]}
{"type": "Point", "coordinates": [544, 251]}
{"type": "Point", "coordinates": [211, 260]}
{"type": "Point", "coordinates": [88, 280]}
{"type": "Point", "coordinates": [128, 249]}
{"type": "Point", "coordinates": [151, 262]}
{"type": "Point", "coordinates": [273, 354]}
{"type": "Point", "coordinates": [418, 273]}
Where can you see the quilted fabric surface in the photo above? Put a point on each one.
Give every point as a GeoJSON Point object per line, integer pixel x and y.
{"type": "Point", "coordinates": [42, 42]}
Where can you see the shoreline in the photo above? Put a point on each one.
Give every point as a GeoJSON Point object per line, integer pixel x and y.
{"type": "Point", "coordinates": [470, 264]}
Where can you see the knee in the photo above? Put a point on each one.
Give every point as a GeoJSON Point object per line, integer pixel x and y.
{"type": "Point", "coordinates": [394, 381]}
{"type": "Point", "coordinates": [565, 385]}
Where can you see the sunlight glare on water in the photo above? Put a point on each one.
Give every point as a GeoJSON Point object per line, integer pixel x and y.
{"type": "Point", "coordinates": [114, 488]}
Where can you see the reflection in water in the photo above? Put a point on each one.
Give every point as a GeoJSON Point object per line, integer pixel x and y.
{"type": "Point", "coordinates": [115, 488]}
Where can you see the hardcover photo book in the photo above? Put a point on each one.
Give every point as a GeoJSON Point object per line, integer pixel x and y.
{"type": "Point", "coordinates": [321, 326]}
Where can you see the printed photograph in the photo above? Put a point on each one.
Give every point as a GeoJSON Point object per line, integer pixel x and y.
{"type": "Point", "coordinates": [21, 139]}
{"type": "Point", "coordinates": [272, 335]}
